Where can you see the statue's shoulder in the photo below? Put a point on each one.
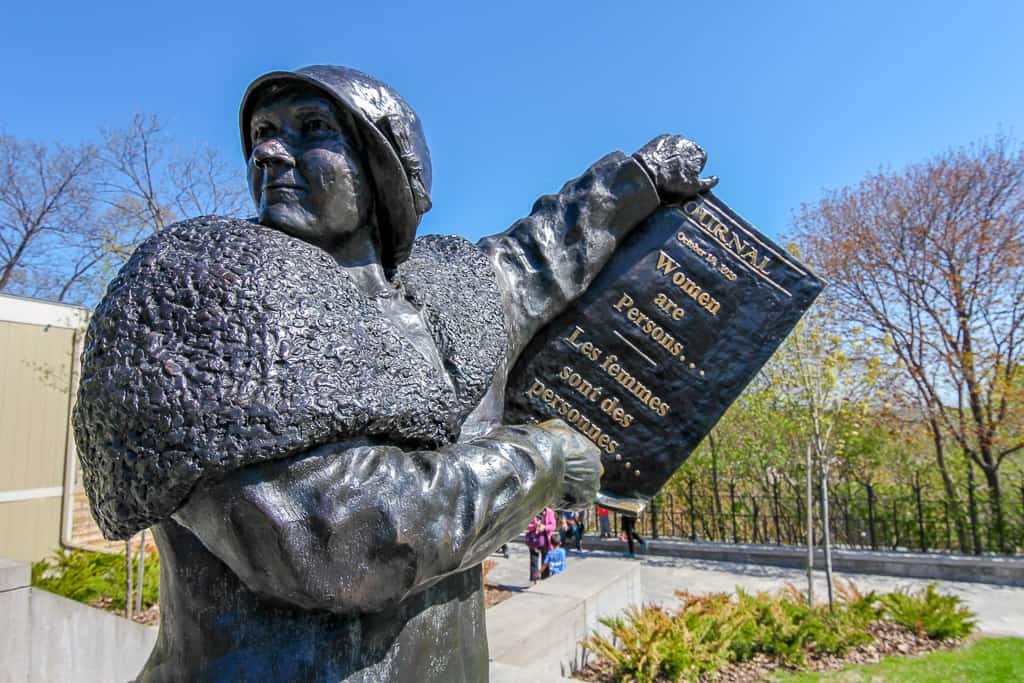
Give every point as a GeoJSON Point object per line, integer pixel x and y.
{"type": "Point", "coordinates": [454, 282]}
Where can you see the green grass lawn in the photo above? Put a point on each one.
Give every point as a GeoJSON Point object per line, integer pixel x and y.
{"type": "Point", "coordinates": [987, 660]}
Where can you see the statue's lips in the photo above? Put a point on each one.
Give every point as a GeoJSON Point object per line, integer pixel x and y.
{"type": "Point", "coordinates": [282, 192]}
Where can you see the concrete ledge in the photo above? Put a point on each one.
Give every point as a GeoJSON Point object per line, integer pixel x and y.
{"type": "Point", "coordinates": [14, 575]}
{"type": "Point", "coordinates": [44, 637]}
{"type": "Point", "coordinates": [1006, 571]}
{"type": "Point", "coordinates": [538, 631]}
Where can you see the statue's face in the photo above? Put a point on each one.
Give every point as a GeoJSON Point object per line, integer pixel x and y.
{"type": "Point", "coordinates": [304, 174]}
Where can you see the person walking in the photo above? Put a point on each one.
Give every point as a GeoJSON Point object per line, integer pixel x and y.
{"type": "Point", "coordinates": [555, 561]}
{"type": "Point", "coordinates": [629, 530]}
{"type": "Point", "coordinates": [537, 540]}
{"type": "Point", "coordinates": [571, 530]}
{"type": "Point", "coordinates": [604, 522]}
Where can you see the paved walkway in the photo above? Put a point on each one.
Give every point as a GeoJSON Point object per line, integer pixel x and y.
{"type": "Point", "coordinates": [1000, 609]}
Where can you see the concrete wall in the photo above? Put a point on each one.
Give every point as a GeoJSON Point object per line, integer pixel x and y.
{"type": "Point", "coordinates": [44, 637]}
{"type": "Point", "coordinates": [534, 636]}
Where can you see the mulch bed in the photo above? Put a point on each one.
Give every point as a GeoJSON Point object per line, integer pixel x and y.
{"type": "Point", "coordinates": [149, 617]}
{"type": "Point", "coordinates": [495, 594]}
{"type": "Point", "coordinates": [890, 639]}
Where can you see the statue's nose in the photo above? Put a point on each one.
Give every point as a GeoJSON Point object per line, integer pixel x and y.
{"type": "Point", "coordinates": [270, 152]}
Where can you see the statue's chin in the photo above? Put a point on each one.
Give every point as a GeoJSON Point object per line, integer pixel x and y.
{"type": "Point", "coordinates": [291, 219]}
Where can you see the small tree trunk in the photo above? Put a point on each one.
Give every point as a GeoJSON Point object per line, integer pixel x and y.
{"type": "Point", "coordinates": [810, 529]}
{"type": "Point", "coordinates": [128, 579]}
{"type": "Point", "coordinates": [947, 483]}
{"type": "Point", "coordinates": [995, 501]}
{"type": "Point", "coordinates": [922, 536]}
{"type": "Point", "coordinates": [776, 507]}
{"type": "Point", "coordinates": [826, 537]}
{"type": "Point", "coordinates": [972, 507]}
{"type": "Point", "coordinates": [871, 516]}
{"type": "Point", "coordinates": [141, 572]}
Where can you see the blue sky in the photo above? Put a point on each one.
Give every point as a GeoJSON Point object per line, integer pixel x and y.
{"type": "Point", "coordinates": [789, 98]}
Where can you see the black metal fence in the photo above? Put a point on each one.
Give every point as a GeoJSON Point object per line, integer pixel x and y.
{"type": "Point", "coordinates": [861, 516]}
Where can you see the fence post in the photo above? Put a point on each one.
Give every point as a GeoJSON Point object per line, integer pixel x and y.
{"type": "Point", "coordinates": [672, 514]}
{"type": "Point", "coordinates": [775, 510]}
{"type": "Point", "coordinates": [949, 538]}
{"type": "Point", "coordinates": [753, 519]}
{"type": "Point", "coordinates": [871, 515]}
{"type": "Point", "coordinates": [920, 518]}
{"type": "Point", "coordinates": [895, 525]}
{"type": "Point", "coordinates": [693, 519]}
{"type": "Point", "coordinates": [1022, 510]}
{"type": "Point", "coordinates": [732, 506]}
{"type": "Point", "coordinates": [654, 518]}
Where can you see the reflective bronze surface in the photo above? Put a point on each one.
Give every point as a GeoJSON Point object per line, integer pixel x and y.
{"type": "Point", "coordinates": [309, 408]}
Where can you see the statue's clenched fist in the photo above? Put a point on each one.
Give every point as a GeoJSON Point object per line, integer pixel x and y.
{"type": "Point", "coordinates": [674, 165]}
{"type": "Point", "coordinates": [583, 467]}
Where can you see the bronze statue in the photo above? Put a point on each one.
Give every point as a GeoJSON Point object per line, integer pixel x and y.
{"type": "Point", "coordinates": [307, 407]}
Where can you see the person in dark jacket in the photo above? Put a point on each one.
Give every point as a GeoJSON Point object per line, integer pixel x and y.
{"type": "Point", "coordinates": [629, 531]}
{"type": "Point", "coordinates": [308, 407]}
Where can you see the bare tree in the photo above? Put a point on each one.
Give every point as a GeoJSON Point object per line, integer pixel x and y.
{"type": "Point", "coordinates": [931, 261]}
{"type": "Point", "coordinates": [70, 216]}
{"type": "Point", "coordinates": [45, 195]}
{"type": "Point", "coordinates": [134, 159]}
{"type": "Point", "coordinates": [202, 185]}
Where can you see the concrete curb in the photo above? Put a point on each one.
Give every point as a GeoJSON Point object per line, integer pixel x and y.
{"type": "Point", "coordinates": [1003, 571]}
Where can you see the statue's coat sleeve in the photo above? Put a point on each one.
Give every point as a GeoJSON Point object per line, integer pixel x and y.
{"type": "Point", "coordinates": [357, 529]}
{"type": "Point", "coordinates": [549, 258]}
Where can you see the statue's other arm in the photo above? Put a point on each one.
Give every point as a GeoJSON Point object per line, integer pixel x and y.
{"type": "Point", "coordinates": [357, 529]}
{"type": "Point", "coordinates": [546, 260]}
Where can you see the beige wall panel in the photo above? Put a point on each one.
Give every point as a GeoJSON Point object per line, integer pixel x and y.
{"type": "Point", "coordinates": [29, 529]}
{"type": "Point", "coordinates": [35, 367]}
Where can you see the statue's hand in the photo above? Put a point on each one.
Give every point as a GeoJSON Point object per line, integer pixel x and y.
{"type": "Point", "coordinates": [583, 467]}
{"type": "Point", "coordinates": [674, 165]}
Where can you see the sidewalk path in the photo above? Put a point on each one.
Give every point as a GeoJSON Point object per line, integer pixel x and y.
{"type": "Point", "coordinates": [1000, 609]}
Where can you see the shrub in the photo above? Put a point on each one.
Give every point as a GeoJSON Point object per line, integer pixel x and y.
{"type": "Point", "coordinates": [651, 643]}
{"type": "Point", "coordinates": [929, 613]}
{"type": "Point", "coordinates": [782, 625]}
{"type": "Point", "coordinates": [88, 576]}
{"type": "Point", "coordinates": [706, 632]}
{"type": "Point", "coordinates": [636, 643]}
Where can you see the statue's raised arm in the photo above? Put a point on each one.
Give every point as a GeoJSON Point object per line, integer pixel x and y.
{"type": "Point", "coordinates": [549, 258]}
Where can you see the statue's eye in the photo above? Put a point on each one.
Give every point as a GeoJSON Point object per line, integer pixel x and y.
{"type": "Point", "coordinates": [261, 132]}
{"type": "Point", "coordinates": [315, 126]}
